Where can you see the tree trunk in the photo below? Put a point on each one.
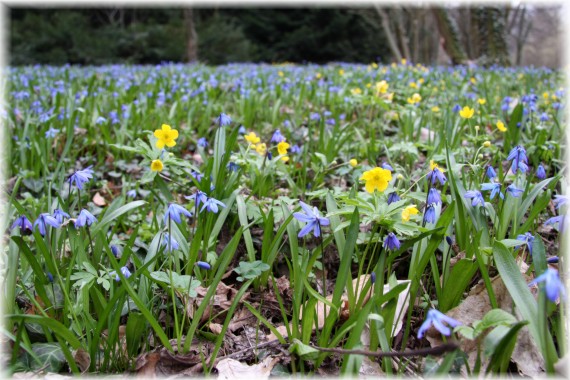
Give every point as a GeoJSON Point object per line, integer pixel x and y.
{"type": "Point", "coordinates": [450, 34]}
{"type": "Point", "coordinates": [191, 35]}
{"type": "Point", "coordinates": [389, 33]}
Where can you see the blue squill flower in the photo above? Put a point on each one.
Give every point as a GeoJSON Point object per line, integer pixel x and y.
{"type": "Point", "coordinates": [476, 196]}
{"type": "Point", "coordinates": [560, 219]}
{"type": "Point", "coordinates": [59, 215]}
{"type": "Point", "coordinates": [80, 177]}
{"type": "Point", "coordinates": [393, 197]}
{"type": "Point", "coordinates": [495, 189]}
{"type": "Point", "coordinates": [197, 176]}
{"type": "Point", "coordinates": [433, 196]}
{"type": "Point", "coordinates": [115, 250]}
{"type": "Point", "coordinates": [242, 130]}
{"type": "Point", "coordinates": [387, 166]}
{"type": "Point", "coordinates": [233, 167]}
{"type": "Point", "coordinates": [490, 172]}
{"type": "Point", "coordinates": [437, 319]}
{"type": "Point", "coordinates": [45, 220]}
{"type": "Point", "coordinates": [429, 215]}
{"type": "Point", "coordinates": [456, 108]}
{"type": "Point", "coordinates": [169, 242]}
{"type": "Point", "coordinates": [85, 218]}
{"type": "Point", "coordinates": [124, 270]}
{"type": "Point", "coordinates": [51, 133]}
{"type": "Point", "coordinates": [315, 116]}
{"type": "Point", "coordinates": [198, 197]}
{"type": "Point", "coordinates": [100, 120]}
{"type": "Point", "coordinates": [203, 265]}
{"type": "Point", "coordinates": [436, 175]}
{"type": "Point", "coordinates": [132, 193]}
{"type": "Point", "coordinates": [391, 242]}
{"type": "Point", "coordinates": [519, 159]}
{"type": "Point", "coordinates": [211, 205]}
{"type": "Point", "coordinates": [223, 120]}
{"type": "Point", "coordinates": [313, 219]}
{"type": "Point", "coordinates": [514, 191]}
{"type": "Point", "coordinates": [24, 224]}
{"type": "Point", "coordinates": [528, 239]}
{"type": "Point", "coordinates": [560, 200]}
{"type": "Point", "coordinates": [543, 117]}
{"type": "Point", "coordinates": [552, 284]}
{"type": "Point", "coordinates": [295, 149]}
{"type": "Point", "coordinates": [202, 142]}
{"type": "Point", "coordinates": [277, 137]}
{"type": "Point", "coordinates": [173, 212]}
{"type": "Point", "coordinates": [540, 172]}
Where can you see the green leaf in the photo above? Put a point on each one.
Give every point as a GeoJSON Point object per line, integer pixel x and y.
{"type": "Point", "coordinates": [458, 280]}
{"type": "Point", "coordinates": [180, 283]}
{"type": "Point", "coordinates": [112, 216]}
{"type": "Point", "coordinates": [50, 355]}
{"type": "Point", "coordinates": [303, 351]}
{"type": "Point", "coordinates": [136, 328]}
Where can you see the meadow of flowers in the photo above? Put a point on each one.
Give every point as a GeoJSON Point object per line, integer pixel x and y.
{"type": "Point", "coordinates": [318, 220]}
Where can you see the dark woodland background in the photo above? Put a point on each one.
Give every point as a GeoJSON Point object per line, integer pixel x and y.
{"type": "Point", "coordinates": [521, 35]}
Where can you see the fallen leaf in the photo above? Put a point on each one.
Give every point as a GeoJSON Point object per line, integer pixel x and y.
{"type": "Point", "coordinates": [82, 359]}
{"type": "Point", "coordinates": [232, 369]}
{"type": "Point", "coordinates": [99, 200]}
{"type": "Point", "coordinates": [216, 328]}
{"type": "Point", "coordinates": [241, 318]}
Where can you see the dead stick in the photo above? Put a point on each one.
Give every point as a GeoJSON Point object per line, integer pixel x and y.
{"type": "Point", "coordinates": [439, 350]}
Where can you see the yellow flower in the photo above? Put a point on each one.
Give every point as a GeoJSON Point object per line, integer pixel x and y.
{"type": "Point", "coordinates": [404, 61]}
{"type": "Point", "coordinates": [409, 211]}
{"type": "Point", "coordinates": [473, 80]}
{"type": "Point", "coordinates": [341, 72]}
{"type": "Point", "coordinates": [481, 101]}
{"type": "Point", "coordinates": [421, 80]}
{"type": "Point", "coordinates": [467, 112]}
{"type": "Point", "coordinates": [487, 144]}
{"type": "Point", "coordinates": [285, 158]}
{"type": "Point", "coordinates": [165, 136]}
{"type": "Point", "coordinates": [261, 149]}
{"type": "Point", "coordinates": [353, 162]}
{"type": "Point", "coordinates": [376, 179]}
{"type": "Point", "coordinates": [501, 126]}
{"type": "Point", "coordinates": [368, 85]}
{"type": "Point", "coordinates": [433, 165]}
{"type": "Point", "coordinates": [156, 166]}
{"type": "Point", "coordinates": [413, 85]}
{"type": "Point", "coordinates": [282, 147]}
{"type": "Point", "coordinates": [319, 75]}
{"type": "Point", "coordinates": [382, 87]}
{"type": "Point", "coordinates": [280, 73]}
{"type": "Point", "coordinates": [545, 95]}
{"type": "Point", "coordinates": [435, 109]}
{"type": "Point", "coordinates": [374, 65]}
{"type": "Point", "coordinates": [390, 96]}
{"type": "Point", "coordinates": [252, 138]}
{"type": "Point", "coordinates": [416, 98]}
{"type": "Point", "coordinates": [356, 91]}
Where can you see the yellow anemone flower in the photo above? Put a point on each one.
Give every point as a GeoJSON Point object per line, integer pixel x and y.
{"type": "Point", "coordinates": [166, 136]}
{"type": "Point", "coordinates": [409, 211]}
{"type": "Point", "coordinates": [261, 149]}
{"type": "Point", "coordinates": [433, 165]}
{"type": "Point", "coordinates": [252, 138]}
{"type": "Point", "coordinates": [501, 126]}
{"type": "Point", "coordinates": [467, 112]}
{"type": "Point", "coordinates": [416, 98]}
{"type": "Point", "coordinates": [376, 179]}
{"type": "Point", "coordinates": [481, 101]}
{"type": "Point", "coordinates": [353, 162]}
{"type": "Point", "coordinates": [156, 166]}
{"type": "Point", "coordinates": [282, 147]}
{"type": "Point", "coordinates": [382, 87]}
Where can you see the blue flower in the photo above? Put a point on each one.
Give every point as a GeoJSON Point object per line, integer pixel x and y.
{"type": "Point", "coordinates": [560, 219]}
{"type": "Point", "coordinates": [211, 205]}
{"type": "Point", "coordinates": [490, 172]}
{"type": "Point", "coordinates": [315, 116]}
{"type": "Point", "coordinates": [59, 215]}
{"type": "Point", "coordinates": [391, 242]}
{"type": "Point", "coordinates": [202, 142]}
{"type": "Point", "coordinates": [495, 189]}
{"type": "Point", "coordinates": [436, 174]}
{"type": "Point", "coordinates": [24, 223]}
{"type": "Point", "coordinates": [514, 191]}
{"type": "Point", "coordinates": [242, 130]}
{"type": "Point", "coordinates": [85, 218]}
{"type": "Point", "coordinates": [373, 277]}
{"type": "Point", "coordinates": [80, 177]}
{"type": "Point", "coordinates": [552, 260]}
{"type": "Point", "coordinates": [393, 197]}
{"type": "Point", "coordinates": [456, 108]}
{"type": "Point", "coordinates": [560, 200]}
{"type": "Point", "coordinates": [552, 284]}
{"type": "Point", "coordinates": [437, 318]}
{"type": "Point", "coordinates": [197, 176]}
{"type": "Point", "coordinates": [519, 159]}
{"type": "Point", "coordinates": [476, 196]}
{"type": "Point", "coordinates": [198, 197]}
{"type": "Point", "coordinates": [277, 137]}
{"type": "Point", "coordinates": [233, 167]}
{"type": "Point", "coordinates": [51, 133]}
{"type": "Point", "coordinates": [433, 196]}
{"type": "Point", "coordinates": [429, 215]}
{"type": "Point", "coordinates": [49, 276]}
{"type": "Point", "coordinates": [540, 172]}
{"type": "Point", "coordinates": [173, 212]}
{"type": "Point", "coordinates": [295, 149]}
{"type": "Point", "coordinates": [387, 166]}
{"type": "Point", "coordinates": [132, 193]}
{"type": "Point", "coordinates": [100, 120]}
{"type": "Point", "coordinates": [203, 265]}
{"type": "Point", "coordinates": [115, 250]}
{"type": "Point", "coordinates": [45, 220]}
{"type": "Point", "coordinates": [170, 243]}
{"type": "Point", "coordinates": [528, 239]}
{"type": "Point", "coordinates": [313, 219]}
{"type": "Point", "coordinates": [124, 270]}
{"type": "Point", "coordinates": [543, 117]}
{"type": "Point", "coordinates": [223, 120]}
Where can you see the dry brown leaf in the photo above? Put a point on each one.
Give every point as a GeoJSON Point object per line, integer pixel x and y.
{"type": "Point", "coordinates": [370, 368]}
{"type": "Point", "coordinates": [241, 318]}
{"type": "Point", "coordinates": [99, 200]}
{"type": "Point", "coordinates": [82, 359]}
{"type": "Point", "coordinates": [216, 328]}
{"type": "Point", "coordinates": [165, 363]}
{"type": "Point", "coordinates": [526, 353]}
{"type": "Point", "coordinates": [281, 329]}
{"type": "Point", "coordinates": [232, 369]}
